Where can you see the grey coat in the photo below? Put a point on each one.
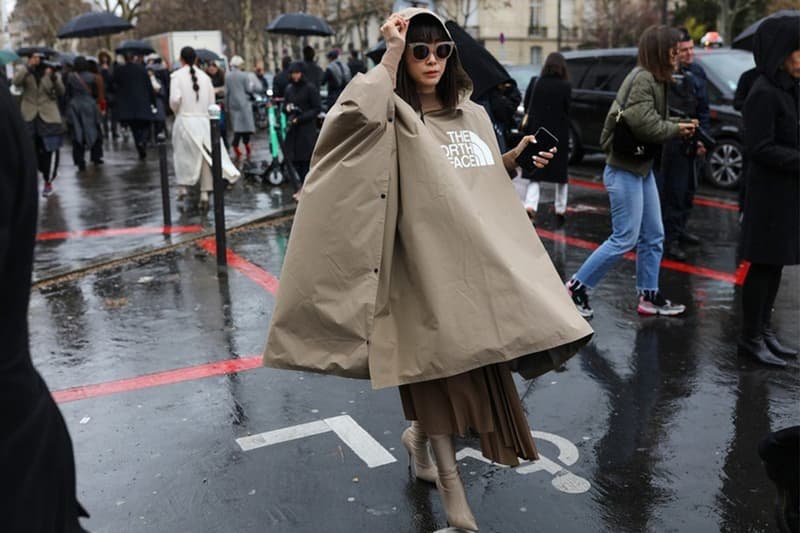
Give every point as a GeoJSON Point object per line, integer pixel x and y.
{"type": "Point", "coordinates": [82, 113]}
{"type": "Point", "coordinates": [238, 106]}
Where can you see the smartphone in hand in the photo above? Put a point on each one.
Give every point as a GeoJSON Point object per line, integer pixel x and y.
{"type": "Point", "coordinates": [545, 141]}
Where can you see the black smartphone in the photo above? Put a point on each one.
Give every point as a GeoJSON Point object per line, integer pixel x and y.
{"type": "Point", "coordinates": [545, 141]}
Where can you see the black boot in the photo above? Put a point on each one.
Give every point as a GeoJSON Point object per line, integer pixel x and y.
{"type": "Point", "coordinates": [756, 349]}
{"type": "Point", "coordinates": [674, 251]}
{"type": "Point", "coordinates": [775, 346]}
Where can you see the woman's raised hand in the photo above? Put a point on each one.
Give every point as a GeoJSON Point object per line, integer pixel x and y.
{"type": "Point", "coordinates": [394, 28]}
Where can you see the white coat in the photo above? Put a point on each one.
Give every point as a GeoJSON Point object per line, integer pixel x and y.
{"type": "Point", "coordinates": [191, 134]}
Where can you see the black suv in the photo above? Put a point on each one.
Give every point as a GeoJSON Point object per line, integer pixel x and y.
{"type": "Point", "coordinates": [597, 74]}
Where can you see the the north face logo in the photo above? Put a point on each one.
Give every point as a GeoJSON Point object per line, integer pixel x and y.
{"type": "Point", "coordinates": [467, 150]}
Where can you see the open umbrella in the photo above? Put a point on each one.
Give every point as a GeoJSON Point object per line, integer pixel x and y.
{"type": "Point", "coordinates": [299, 24]}
{"type": "Point", "coordinates": [93, 24]}
{"type": "Point", "coordinates": [205, 55]}
{"type": "Point", "coordinates": [135, 47]}
{"type": "Point", "coordinates": [376, 52]}
{"type": "Point", "coordinates": [744, 40]}
{"type": "Point", "coordinates": [30, 50]}
{"type": "Point", "coordinates": [8, 56]}
{"type": "Point", "coordinates": [481, 66]}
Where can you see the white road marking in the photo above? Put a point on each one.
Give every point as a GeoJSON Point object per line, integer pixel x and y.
{"type": "Point", "coordinates": [563, 479]}
{"type": "Point", "coordinates": [354, 436]}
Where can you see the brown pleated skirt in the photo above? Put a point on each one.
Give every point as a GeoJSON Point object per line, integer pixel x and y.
{"type": "Point", "coordinates": [484, 400]}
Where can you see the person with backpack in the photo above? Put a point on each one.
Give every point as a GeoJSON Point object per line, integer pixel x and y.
{"type": "Point", "coordinates": [336, 76]}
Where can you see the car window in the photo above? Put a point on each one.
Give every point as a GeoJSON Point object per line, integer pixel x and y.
{"type": "Point", "coordinates": [608, 73]}
{"type": "Point", "coordinates": [577, 69]}
{"type": "Point", "coordinates": [725, 67]}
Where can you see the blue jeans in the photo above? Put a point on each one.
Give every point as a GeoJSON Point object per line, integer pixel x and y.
{"type": "Point", "coordinates": [636, 222]}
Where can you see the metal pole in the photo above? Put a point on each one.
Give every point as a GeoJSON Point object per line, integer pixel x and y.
{"type": "Point", "coordinates": [161, 140]}
{"type": "Point", "coordinates": [219, 186]}
{"type": "Point", "coordinates": [558, 26]}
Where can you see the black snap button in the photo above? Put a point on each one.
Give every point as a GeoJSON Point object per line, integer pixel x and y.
{"type": "Point", "coordinates": [391, 119]}
{"type": "Point", "coordinates": [383, 196]}
{"type": "Point", "coordinates": [376, 270]}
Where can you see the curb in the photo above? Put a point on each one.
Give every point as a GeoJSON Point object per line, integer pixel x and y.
{"type": "Point", "coordinates": [145, 252]}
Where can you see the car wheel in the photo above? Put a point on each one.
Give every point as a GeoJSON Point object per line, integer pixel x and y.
{"type": "Point", "coordinates": [725, 163]}
{"type": "Point", "coordinates": [575, 148]}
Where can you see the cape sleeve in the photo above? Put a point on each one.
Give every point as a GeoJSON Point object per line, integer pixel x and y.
{"type": "Point", "coordinates": [345, 221]}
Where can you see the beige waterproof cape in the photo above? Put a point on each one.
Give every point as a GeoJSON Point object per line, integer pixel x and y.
{"type": "Point", "coordinates": [411, 257]}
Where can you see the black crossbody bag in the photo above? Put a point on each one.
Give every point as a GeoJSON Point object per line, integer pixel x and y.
{"type": "Point", "coordinates": [625, 142]}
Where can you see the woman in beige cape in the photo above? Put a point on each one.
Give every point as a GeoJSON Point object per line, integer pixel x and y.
{"type": "Point", "coordinates": [412, 264]}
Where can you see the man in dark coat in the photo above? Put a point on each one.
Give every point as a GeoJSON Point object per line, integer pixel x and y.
{"type": "Point", "coordinates": [281, 80]}
{"type": "Point", "coordinates": [302, 106]}
{"type": "Point", "coordinates": [135, 100]}
{"type": "Point", "coordinates": [311, 70]}
{"type": "Point", "coordinates": [83, 114]}
{"type": "Point", "coordinates": [677, 178]}
{"type": "Point", "coordinates": [38, 485]}
{"type": "Point", "coordinates": [355, 64]}
{"type": "Point", "coordinates": [771, 218]}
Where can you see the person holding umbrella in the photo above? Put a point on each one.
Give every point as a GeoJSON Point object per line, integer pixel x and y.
{"type": "Point", "coordinates": [135, 100]}
{"type": "Point", "coordinates": [434, 281]}
{"type": "Point", "coordinates": [41, 88]}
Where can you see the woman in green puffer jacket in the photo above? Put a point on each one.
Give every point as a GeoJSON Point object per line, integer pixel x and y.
{"type": "Point", "coordinates": [635, 207]}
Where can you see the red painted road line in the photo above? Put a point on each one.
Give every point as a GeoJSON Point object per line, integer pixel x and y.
{"type": "Point", "coordinates": [159, 378]}
{"type": "Point", "coordinates": [737, 278]}
{"type": "Point", "coordinates": [115, 232]}
{"type": "Point", "coordinates": [706, 202]}
{"type": "Point", "coordinates": [252, 271]}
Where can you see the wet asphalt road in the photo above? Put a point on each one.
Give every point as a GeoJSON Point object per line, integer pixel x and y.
{"type": "Point", "coordinates": [662, 417]}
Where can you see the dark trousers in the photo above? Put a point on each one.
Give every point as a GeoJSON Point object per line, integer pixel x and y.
{"type": "Point", "coordinates": [79, 152]}
{"type": "Point", "coordinates": [758, 297]}
{"type": "Point", "coordinates": [677, 183]}
{"type": "Point", "coordinates": [302, 169]}
{"type": "Point", "coordinates": [241, 137]}
{"type": "Point", "coordinates": [140, 130]}
{"type": "Point", "coordinates": [46, 161]}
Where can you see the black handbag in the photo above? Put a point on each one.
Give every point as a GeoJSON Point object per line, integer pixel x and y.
{"type": "Point", "coordinates": [625, 142]}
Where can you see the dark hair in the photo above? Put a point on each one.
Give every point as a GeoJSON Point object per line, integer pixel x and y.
{"type": "Point", "coordinates": [80, 64]}
{"type": "Point", "coordinates": [308, 53]}
{"type": "Point", "coordinates": [428, 29]}
{"type": "Point", "coordinates": [656, 47]}
{"type": "Point", "coordinates": [285, 62]}
{"type": "Point", "coordinates": [684, 35]}
{"type": "Point", "coordinates": [555, 66]}
{"type": "Point", "coordinates": [189, 56]}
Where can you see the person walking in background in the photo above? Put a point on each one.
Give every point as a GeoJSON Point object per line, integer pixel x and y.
{"type": "Point", "coordinates": [771, 218]}
{"type": "Point", "coordinates": [106, 71]}
{"type": "Point", "coordinates": [239, 86]}
{"type": "Point", "coordinates": [408, 302]}
{"type": "Point", "coordinates": [135, 100]}
{"type": "Point", "coordinates": [36, 456]}
{"type": "Point", "coordinates": [41, 87]}
{"type": "Point", "coordinates": [263, 82]}
{"type": "Point", "coordinates": [281, 80]}
{"type": "Point", "coordinates": [302, 106]}
{"type": "Point", "coordinates": [83, 114]}
{"type": "Point", "coordinates": [312, 72]}
{"type": "Point", "coordinates": [159, 79]}
{"type": "Point", "coordinates": [628, 177]}
{"type": "Point", "coordinates": [335, 78]}
{"type": "Point", "coordinates": [355, 64]}
{"type": "Point", "coordinates": [677, 178]}
{"type": "Point", "coordinates": [547, 101]}
{"type": "Point", "coordinates": [217, 76]}
{"type": "Point", "coordinates": [191, 93]}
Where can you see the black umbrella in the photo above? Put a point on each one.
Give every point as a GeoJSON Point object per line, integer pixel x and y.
{"type": "Point", "coordinates": [744, 40]}
{"type": "Point", "coordinates": [205, 55]}
{"type": "Point", "coordinates": [376, 52]}
{"type": "Point", "coordinates": [30, 50]}
{"type": "Point", "coordinates": [94, 24]}
{"type": "Point", "coordinates": [135, 47]}
{"type": "Point", "coordinates": [481, 66]}
{"type": "Point", "coordinates": [299, 24]}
